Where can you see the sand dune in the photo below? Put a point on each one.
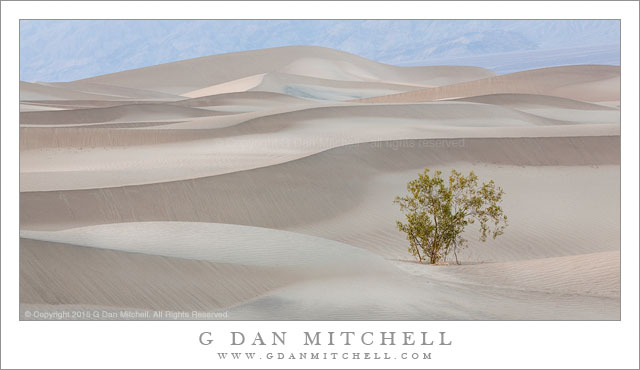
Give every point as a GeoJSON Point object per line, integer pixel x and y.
{"type": "Point", "coordinates": [328, 89]}
{"type": "Point", "coordinates": [37, 108]}
{"type": "Point", "coordinates": [435, 113]}
{"type": "Point", "coordinates": [199, 73]}
{"type": "Point", "coordinates": [117, 91]}
{"type": "Point", "coordinates": [121, 113]}
{"type": "Point", "coordinates": [551, 107]}
{"type": "Point", "coordinates": [246, 101]}
{"type": "Point", "coordinates": [239, 85]}
{"type": "Point", "coordinates": [61, 274]}
{"type": "Point", "coordinates": [593, 274]}
{"type": "Point", "coordinates": [35, 91]}
{"type": "Point", "coordinates": [204, 277]}
{"type": "Point", "coordinates": [85, 104]}
{"type": "Point", "coordinates": [531, 101]}
{"type": "Point", "coordinates": [252, 246]}
{"type": "Point", "coordinates": [587, 83]}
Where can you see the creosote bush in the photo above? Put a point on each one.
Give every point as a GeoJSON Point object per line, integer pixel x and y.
{"type": "Point", "coordinates": [438, 210]}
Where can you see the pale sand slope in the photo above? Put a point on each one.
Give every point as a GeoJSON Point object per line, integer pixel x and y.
{"type": "Point", "coordinates": [291, 277]}
{"type": "Point", "coordinates": [35, 91]}
{"type": "Point", "coordinates": [199, 73]}
{"type": "Point", "coordinates": [532, 101]}
{"type": "Point", "coordinates": [37, 108]}
{"type": "Point", "coordinates": [592, 83]}
{"type": "Point", "coordinates": [243, 101]}
{"type": "Point", "coordinates": [222, 243]}
{"type": "Point", "coordinates": [86, 91]}
{"type": "Point", "coordinates": [59, 274]}
{"type": "Point", "coordinates": [328, 89]}
{"type": "Point", "coordinates": [567, 203]}
{"type": "Point", "coordinates": [551, 107]}
{"type": "Point", "coordinates": [424, 299]}
{"type": "Point", "coordinates": [117, 114]}
{"type": "Point", "coordinates": [118, 91]}
{"type": "Point", "coordinates": [593, 274]}
{"type": "Point", "coordinates": [255, 142]}
{"type": "Point", "coordinates": [305, 87]}
{"type": "Point", "coordinates": [85, 104]}
{"type": "Point", "coordinates": [234, 86]}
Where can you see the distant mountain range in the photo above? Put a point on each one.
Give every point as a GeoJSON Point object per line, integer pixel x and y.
{"type": "Point", "coordinates": [70, 50]}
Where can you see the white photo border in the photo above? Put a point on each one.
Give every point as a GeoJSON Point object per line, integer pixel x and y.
{"type": "Point", "coordinates": [476, 344]}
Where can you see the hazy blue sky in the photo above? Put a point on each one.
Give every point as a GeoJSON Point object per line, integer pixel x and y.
{"type": "Point", "coordinates": [70, 50]}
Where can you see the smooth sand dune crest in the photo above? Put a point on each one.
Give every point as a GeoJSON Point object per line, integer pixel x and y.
{"type": "Point", "coordinates": [193, 252]}
{"type": "Point", "coordinates": [593, 274]}
{"type": "Point", "coordinates": [324, 68]}
{"type": "Point", "coordinates": [37, 108]}
{"type": "Point", "coordinates": [609, 104]}
{"type": "Point", "coordinates": [304, 86]}
{"type": "Point", "coordinates": [419, 300]}
{"type": "Point", "coordinates": [241, 98]}
{"type": "Point", "coordinates": [83, 104]}
{"type": "Point", "coordinates": [532, 101]}
{"type": "Point", "coordinates": [591, 83]}
{"type": "Point", "coordinates": [552, 107]}
{"type": "Point", "coordinates": [199, 73]}
{"type": "Point", "coordinates": [346, 115]}
{"type": "Point", "coordinates": [36, 91]}
{"type": "Point", "coordinates": [252, 246]}
{"type": "Point", "coordinates": [328, 89]}
{"type": "Point", "coordinates": [122, 113]}
{"type": "Point", "coordinates": [328, 69]}
{"type": "Point", "coordinates": [239, 85]}
{"type": "Point", "coordinates": [53, 275]}
{"type": "Point", "coordinates": [117, 91]}
{"type": "Point", "coordinates": [428, 114]}
{"type": "Point", "coordinates": [446, 293]}
{"type": "Point", "coordinates": [246, 101]}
